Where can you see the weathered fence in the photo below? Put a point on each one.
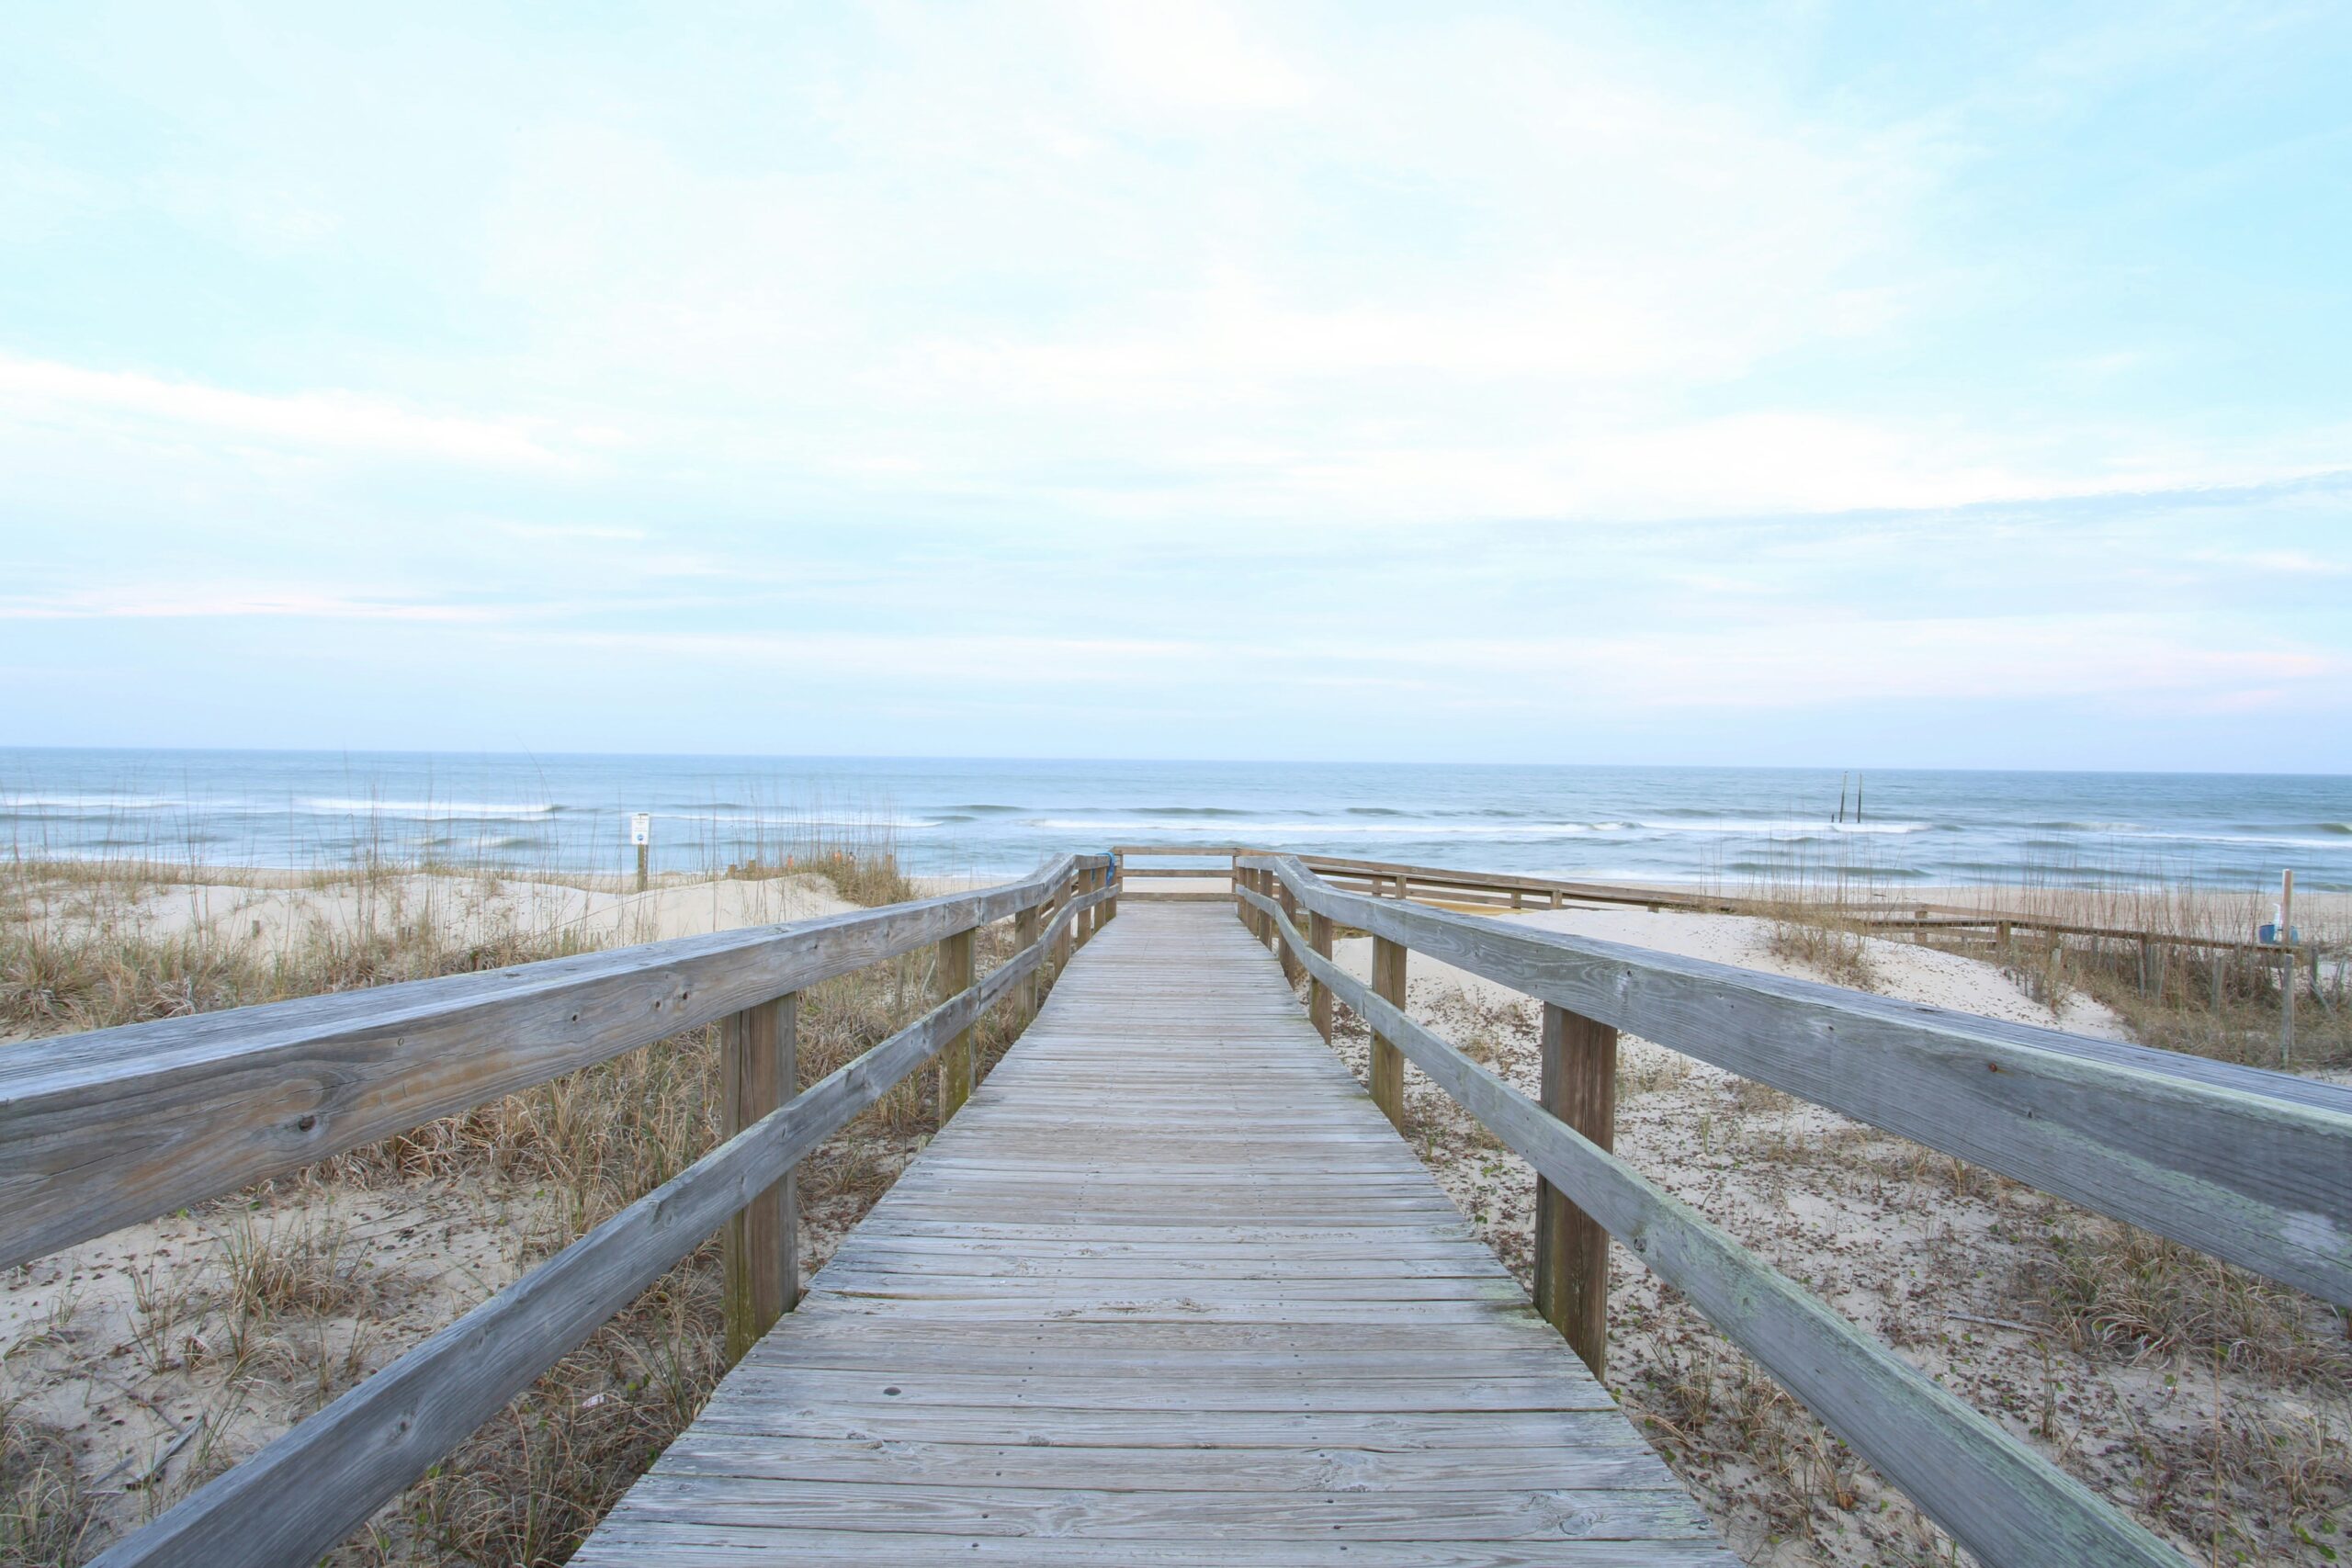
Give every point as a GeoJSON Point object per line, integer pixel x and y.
{"type": "Point", "coordinates": [105, 1129]}
{"type": "Point", "coordinates": [2252, 1166]}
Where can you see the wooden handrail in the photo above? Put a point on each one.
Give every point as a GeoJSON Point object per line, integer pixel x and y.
{"type": "Point", "coordinates": [1994, 1495]}
{"type": "Point", "coordinates": [2251, 1165]}
{"type": "Point", "coordinates": [1939, 917]}
{"type": "Point", "coordinates": [109, 1128]}
{"type": "Point", "coordinates": [310, 1488]}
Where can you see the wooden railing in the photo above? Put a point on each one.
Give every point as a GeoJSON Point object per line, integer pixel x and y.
{"type": "Point", "coordinates": [106, 1129]}
{"type": "Point", "coordinates": [2249, 1166]}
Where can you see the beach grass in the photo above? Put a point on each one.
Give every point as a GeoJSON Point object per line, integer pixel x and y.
{"type": "Point", "coordinates": [279, 1289]}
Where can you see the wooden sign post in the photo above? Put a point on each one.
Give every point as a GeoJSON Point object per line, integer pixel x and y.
{"type": "Point", "coordinates": [640, 833]}
{"type": "Point", "coordinates": [2287, 970]}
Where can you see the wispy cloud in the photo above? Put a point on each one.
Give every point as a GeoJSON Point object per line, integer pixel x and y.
{"type": "Point", "coordinates": [48, 393]}
{"type": "Point", "coordinates": [217, 602]}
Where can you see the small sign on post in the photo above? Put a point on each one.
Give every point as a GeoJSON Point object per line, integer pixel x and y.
{"type": "Point", "coordinates": [640, 833]}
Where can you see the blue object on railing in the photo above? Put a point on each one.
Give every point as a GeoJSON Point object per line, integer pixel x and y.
{"type": "Point", "coordinates": [2268, 936]}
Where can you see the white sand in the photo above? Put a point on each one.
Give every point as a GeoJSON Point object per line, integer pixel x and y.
{"type": "Point", "coordinates": [463, 909]}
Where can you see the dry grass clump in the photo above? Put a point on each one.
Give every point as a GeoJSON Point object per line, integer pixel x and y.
{"type": "Point", "coordinates": [857, 852]}
{"type": "Point", "coordinates": [44, 1510]}
{"type": "Point", "coordinates": [1730, 1429]}
{"type": "Point", "coordinates": [298, 1266]}
{"type": "Point", "coordinates": [2181, 999]}
{"type": "Point", "coordinates": [1834, 948]}
{"type": "Point", "coordinates": [2264, 1475]}
{"type": "Point", "coordinates": [2115, 1287]}
{"type": "Point", "coordinates": [62, 970]}
{"type": "Point", "coordinates": [1811, 907]}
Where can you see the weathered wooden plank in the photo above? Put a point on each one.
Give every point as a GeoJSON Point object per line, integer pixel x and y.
{"type": "Point", "coordinates": [1579, 1086]}
{"type": "Point", "coordinates": [2253, 1166]}
{"type": "Point", "coordinates": [103, 1129]}
{"type": "Point", "coordinates": [304, 1492]}
{"type": "Point", "coordinates": [1598, 1455]}
{"type": "Point", "coordinates": [1024, 935]}
{"type": "Point", "coordinates": [908, 1506]}
{"type": "Point", "coordinates": [1318, 997]}
{"type": "Point", "coordinates": [951, 972]}
{"type": "Point", "coordinates": [890, 1420]}
{"type": "Point", "coordinates": [1021, 1392]}
{"type": "Point", "coordinates": [670, 1544]}
{"type": "Point", "coordinates": [758, 1069]}
{"type": "Point", "coordinates": [1385, 1069]}
{"type": "Point", "coordinates": [1995, 1496]}
{"type": "Point", "coordinates": [1454, 878]}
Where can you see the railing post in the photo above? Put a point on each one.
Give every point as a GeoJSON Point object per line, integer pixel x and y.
{"type": "Point", "coordinates": [1063, 936]}
{"type": "Point", "coordinates": [1572, 1250]}
{"type": "Point", "coordinates": [1318, 997]}
{"type": "Point", "coordinates": [1024, 937]}
{"type": "Point", "coordinates": [1387, 1065]}
{"type": "Point", "coordinates": [952, 973]}
{"type": "Point", "coordinates": [1110, 878]}
{"type": "Point", "coordinates": [1291, 968]}
{"type": "Point", "coordinates": [759, 1071]}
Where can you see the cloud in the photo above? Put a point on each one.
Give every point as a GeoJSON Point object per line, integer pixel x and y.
{"type": "Point", "coordinates": [46, 392]}
{"type": "Point", "coordinates": [213, 602]}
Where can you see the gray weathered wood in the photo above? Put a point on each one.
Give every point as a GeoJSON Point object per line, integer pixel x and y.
{"type": "Point", "coordinates": [1024, 935]}
{"type": "Point", "coordinates": [1579, 1086]}
{"type": "Point", "coordinates": [1318, 999]}
{"type": "Point", "coordinates": [951, 972]}
{"type": "Point", "coordinates": [1386, 1067]}
{"type": "Point", "coordinates": [2251, 1165]}
{"type": "Point", "coordinates": [759, 1070]}
{"type": "Point", "coordinates": [100, 1130]}
{"type": "Point", "coordinates": [1995, 1496]}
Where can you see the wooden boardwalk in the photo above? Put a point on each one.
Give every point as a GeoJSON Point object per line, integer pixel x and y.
{"type": "Point", "coordinates": [1169, 1290]}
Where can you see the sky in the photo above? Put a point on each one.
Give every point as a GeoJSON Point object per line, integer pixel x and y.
{"type": "Point", "coordinates": [1805, 385]}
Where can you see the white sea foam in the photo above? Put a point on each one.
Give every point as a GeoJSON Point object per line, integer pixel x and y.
{"type": "Point", "coordinates": [97, 800]}
{"type": "Point", "coordinates": [1410, 828]}
{"type": "Point", "coordinates": [1779, 826]}
{"type": "Point", "coordinates": [1226, 827]}
{"type": "Point", "coordinates": [789, 820]}
{"type": "Point", "coordinates": [427, 808]}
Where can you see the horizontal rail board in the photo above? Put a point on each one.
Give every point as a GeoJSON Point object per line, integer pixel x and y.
{"type": "Point", "coordinates": [310, 1488]}
{"type": "Point", "coordinates": [109, 1128]}
{"type": "Point", "coordinates": [1995, 1496]}
{"type": "Point", "coordinates": [1173, 851]}
{"type": "Point", "coordinates": [1879, 916]}
{"type": "Point", "coordinates": [1442, 877]}
{"type": "Point", "coordinates": [2251, 1165]}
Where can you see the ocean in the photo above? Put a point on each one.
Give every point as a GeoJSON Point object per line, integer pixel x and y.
{"type": "Point", "coordinates": [944, 815]}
